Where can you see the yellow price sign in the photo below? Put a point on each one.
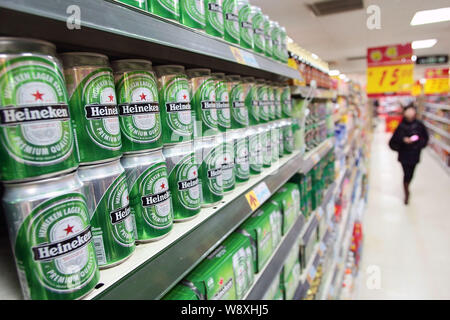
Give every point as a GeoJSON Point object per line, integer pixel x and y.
{"type": "Point", "coordinates": [417, 90]}
{"type": "Point", "coordinates": [390, 79]}
{"type": "Point", "coordinates": [437, 86]}
{"type": "Point", "coordinates": [252, 200]}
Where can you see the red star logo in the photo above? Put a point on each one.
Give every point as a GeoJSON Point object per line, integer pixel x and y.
{"type": "Point", "coordinates": [111, 98]}
{"type": "Point", "coordinates": [37, 96]}
{"type": "Point", "coordinates": [195, 173]}
{"type": "Point", "coordinates": [221, 281]}
{"type": "Point", "coordinates": [163, 186]}
{"type": "Point", "coordinates": [225, 159]}
{"type": "Point", "coordinates": [184, 96]}
{"type": "Point", "coordinates": [143, 96]}
{"type": "Point", "coordinates": [69, 229]}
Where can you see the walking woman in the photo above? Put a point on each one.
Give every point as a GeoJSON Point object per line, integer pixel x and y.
{"type": "Point", "coordinates": [408, 140]}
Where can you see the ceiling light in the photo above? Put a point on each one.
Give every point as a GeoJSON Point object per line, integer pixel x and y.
{"type": "Point", "coordinates": [413, 57]}
{"type": "Point", "coordinates": [431, 16]}
{"type": "Point", "coordinates": [334, 72]}
{"type": "Point", "coordinates": [315, 56]}
{"type": "Point", "coordinates": [422, 44]}
{"type": "Point", "coordinates": [342, 76]}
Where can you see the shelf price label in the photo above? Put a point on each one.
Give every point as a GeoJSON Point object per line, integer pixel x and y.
{"type": "Point", "coordinates": [396, 79]}
{"type": "Point", "coordinates": [311, 275]}
{"type": "Point", "coordinates": [244, 57]}
{"type": "Point", "coordinates": [257, 195]}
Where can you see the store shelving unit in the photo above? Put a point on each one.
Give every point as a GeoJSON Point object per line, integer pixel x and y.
{"type": "Point", "coordinates": [437, 118]}
{"type": "Point", "coordinates": [437, 130]}
{"type": "Point", "coordinates": [318, 93]}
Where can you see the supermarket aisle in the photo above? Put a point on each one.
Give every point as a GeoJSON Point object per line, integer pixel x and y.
{"type": "Point", "coordinates": [409, 244]}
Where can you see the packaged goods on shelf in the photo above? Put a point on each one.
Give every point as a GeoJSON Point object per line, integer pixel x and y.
{"type": "Point", "coordinates": [292, 259]}
{"type": "Point", "coordinates": [291, 283]}
{"type": "Point", "coordinates": [288, 199]}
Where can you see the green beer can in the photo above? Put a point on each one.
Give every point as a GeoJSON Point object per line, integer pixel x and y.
{"type": "Point", "coordinates": [150, 196]}
{"type": "Point", "coordinates": [51, 236]}
{"type": "Point", "coordinates": [93, 107]}
{"type": "Point", "coordinates": [275, 35]}
{"type": "Point", "coordinates": [268, 48]}
{"type": "Point", "coordinates": [36, 138]}
{"type": "Point", "coordinates": [288, 137]}
{"type": "Point", "coordinates": [286, 102]}
{"type": "Point", "coordinates": [283, 45]}
{"type": "Point", "coordinates": [278, 90]}
{"type": "Point", "coordinates": [183, 180]}
{"type": "Point", "coordinates": [263, 100]}
{"type": "Point", "coordinates": [239, 111]}
{"type": "Point", "coordinates": [165, 8]}
{"type": "Point", "coordinates": [259, 42]}
{"type": "Point", "coordinates": [271, 99]}
{"type": "Point", "coordinates": [193, 13]}
{"type": "Point", "coordinates": [279, 124]}
{"type": "Point", "coordinates": [137, 94]}
{"type": "Point", "coordinates": [228, 164]}
{"type": "Point", "coordinates": [113, 226]}
{"type": "Point", "coordinates": [231, 21]}
{"type": "Point", "coordinates": [174, 100]}
{"type": "Point", "coordinates": [222, 87]}
{"type": "Point", "coordinates": [274, 140]}
{"type": "Point", "coordinates": [214, 18]}
{"type": "Point", "coordinates": [251, 101]}
{"type": "Point", "coordinates": [255, 150]}
{"type": "Point", "coordinates": [245, 24]}
{"type": "Point", "coordinates": [209, 154]}
{"type": "Point", "coordinates": [203, 102]}
{"type": "Point", "coordinates": [140, 4]}
{"type": "Point", "coordinates": [266, 144]}
{"type": "Point", "coordinates": [241, 154]}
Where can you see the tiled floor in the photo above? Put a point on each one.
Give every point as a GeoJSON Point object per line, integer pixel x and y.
{"type": "Point", "coordinates": [408, 245]}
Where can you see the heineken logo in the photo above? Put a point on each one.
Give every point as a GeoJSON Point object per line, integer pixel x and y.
{"type": "Point", "coordinates": [222, 105]}
{"type": "Point", "coordinates": [238, 104]}
{"type": "Point", "coordinates": [246, 25]}
{"type": "Point", "coordinates": [214, 173]}
{"type": "Point", "coordinates": [277, 103]}
{"type": "Point", "coordinates": [242, 159]}
{"type": "Point", "coordinates": [98, 111]}
{"type": "Point", "coordinates": [154, 199]}
{"type": "Point", "coordinates": [178, 106]}
{"type": "Point", "coordinates": [227, 166]}
{"type": "Point", "coordinates": [207, 105]}
{"type": "Point", "coordinates": [138, 108]}
{"type": "Point", "coordinates": [120, 214]}
{"type": "Point", "coordinates": [259, 31]}
{"type": "Point", "coordinates": [264, 103]}
{"type": "Point", "coordinates": [187, 184]}
{"type": "Point", "coordinates": [255, 103]}
{"type": "Point", "coordinates": [17, 115]}
{"type": "Point", "coordinates": [50, 251]}
{"type": "Point", "coordinates": [223, 290]}
{"type": "Point", "coordinates": [231, 17]}
{"type": "Point", "coordinates": [214, 7]}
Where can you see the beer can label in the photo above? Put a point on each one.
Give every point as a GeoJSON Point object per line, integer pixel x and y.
{"type": "Point", "coordinates": [228, 170]}
{"type": "Point", "coordinates": [34, 116]}
{"type": "Point", "coordinates": [166, 8]}
{"type": "Point", "coordinates": [242, 168]}
{"type": "Point", "coordinates": [280, 142]}
{"type": "Point", "coordinates": [239, 112]}
{"type": "Point", "coordinates": [255, 153]}
{"type": "Point", "coordinates": [251, 101]}
{"type": "Point", "coordinates": [274, 137]}
{"type": "Point", "coordinates": [277, 102]}
{"type": "Point", "coordinates": [138, 108]}
{"type": "Point", "coordinates": [112, 224]}
{"type": "Point", "coordinates": [288, 139]}
{"type": "Point", "coordinates": [151, 202]}
{"type": "Point", "coordinates": [271, 102]}
{"type": "Point", "coordinates": [176, 108]}
{"type": "Point", "coordinates": [231, 22]}
{"type": "Point", "coordinates": [193, 13]}
{"type": "Point", "coordinates": [204, 102]}
{"type": "Point", "coordinates": [212, 172]}
{"type": "Point", "coordinates": [246, 27]}
{"type": "Point", "coordinates": [268, 38]}
{"type": "Point", "coordinates": [258, 32]}
{"type": "Point", "coordinates": [214, 17]}
{"type": "Point", "coordinates": [263, 101]}
{"type": "Point", "coordinates": [266, 148]}
{"type": "Point", "coordinates": [54, 249]}
{"type": "Point", "coordinates": [286, 104]}
{"type": "Point", "coordinates": [223, 106]}
{"type": "Point", "coordinates": [240, 272]}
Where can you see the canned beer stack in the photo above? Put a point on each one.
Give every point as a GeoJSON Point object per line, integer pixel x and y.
{"type": "Point", "coordinates": [235, 21]}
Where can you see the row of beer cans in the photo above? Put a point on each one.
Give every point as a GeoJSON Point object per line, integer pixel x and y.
{"type": "Point", "coordinates": [236, 21]}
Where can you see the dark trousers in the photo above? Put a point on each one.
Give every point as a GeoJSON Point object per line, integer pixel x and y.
{"type": "Point", "coordinates": [408, 171]}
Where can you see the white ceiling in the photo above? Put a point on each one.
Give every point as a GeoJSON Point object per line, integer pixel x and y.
{"type": "Point", "coordinates": [337, 37]}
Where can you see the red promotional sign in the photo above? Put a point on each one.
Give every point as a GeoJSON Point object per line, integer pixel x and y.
{"type": "Point", "coordinates": [389, 55]}
{"type": "Point", "coordinates": [436, 73]}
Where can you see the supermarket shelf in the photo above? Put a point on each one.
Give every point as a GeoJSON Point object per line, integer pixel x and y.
{"type": "Point", "coordinates": [440, 143]}
{"type": "Point", "coordinates": [437, 130]}
{"type": "Point", "coordinates": [437, 106]}
{"type": "Point", "coordinates": [314, 156]}
{"type": "Point", "coordinates": [317, 93]}
{"type": "Point", "coordinates": [437, 118]}
{"type": "Point", "coordinates": [264, 279]}
{"type": "Point", "coordinates": [122, 31]}
{"type": "Point", "coordinates": [439, 160]}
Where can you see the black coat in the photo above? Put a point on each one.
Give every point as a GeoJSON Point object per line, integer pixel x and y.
{"type": "Point", "coordinates": [409, 153]}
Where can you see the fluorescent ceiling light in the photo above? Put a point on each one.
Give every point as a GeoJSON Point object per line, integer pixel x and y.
{"type": "Point", "coordinates": [422, 44]}
{"type": "Point", "coordinates": [334, 72]}
{"type": "Point", "coordinates": [315, 56]}
{"type": "Point", "coordinates": [342, 76]}
{"type": "Point", "coordinates": [413, 57]}
{"type": "Point", "coordinates": [431, 16]}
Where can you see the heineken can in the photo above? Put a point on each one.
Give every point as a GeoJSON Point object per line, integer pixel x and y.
{"type": "Point", "coordinates": [209, 154]}
{"type": "Point", "coordinates": [251, 101]}
{"type": "Point", "coordinates": [150, 196]}
{"type": "Point", "coordinates": [222, 87]}
{"type": "Point", "coordinates": [238, 92]}
{"type": "Point", "coordinates": [113, 227]}
{"type": "Point", "coordinates": [192, 13]}
{"type": "Point", "coordinates": [254, 149]}
{"type": "Point", "coordinates": [228, 164]}
{"type": "Point", "coordinates": [245, 24]}
{"type": "Point", "coordinates": [93, 107]}
{"type": "Point", "coordinates": [138, 103]}
{"type": "Point", "coordinates": [275, 35]}
{"type": "Point", "coordinates": [283, 45]}
{"type": "Point", "coordinates": [36, 137]}
{"type": "Point", "coordinates": [183, 180]}
{"type": "Point", "coordinates": [203, 102]}
{"type": "Point", "coordinates": [165, 8]}
{"type": "Point", "coordinates": [274, 141]}
{"type": "Point", "coordinates": [277, 89]}
{"type": "Point", "coordinates": [231, 21]}
{"type": "Point", "coordinates": [266, 144]}
{"type": "Point", "coordinates": [279, 124]}
{"type": "Point", "coordinates": [286, 103]}
{"type": "Point", "coordinates": [214, 18]}
{"type": "Point", "coordinates": [50, 232]}
{"type": "Point", "coordinates": [263, 100]}
{"type": "Point", "coordinates": [288, 137]}
{"type": "Point", "coordinates": [271, 100]}
{"type": "Point", "coordinates": [259, 42]}
{"type": "Point", "coordinates": [135, 3]}
{"type": "Point", "coordinates": [174, 98]}
{"type": "Point", "coordinates": [241, 156]}
{"type": "Point", "coordinates": [268, 45]}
